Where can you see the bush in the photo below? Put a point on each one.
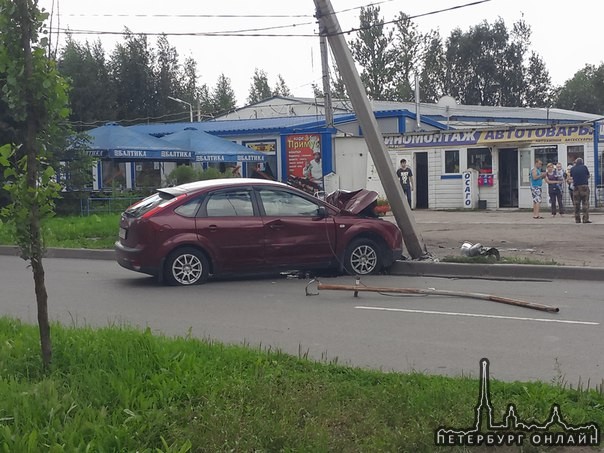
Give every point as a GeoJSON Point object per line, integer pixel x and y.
{"type": "Point", "coordinates": [184, 174]}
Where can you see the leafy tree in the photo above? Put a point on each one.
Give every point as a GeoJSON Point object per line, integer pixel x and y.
{"type": "Point", "coordinates": [433, 75]}
{"type": "Point", "coordinates": [538, 91]}
{"type": "Point", "coordinates": [338, 87]}
{"type": "Point", "coordinates": [488, 65]}
{"type": "Point", "coordinates": [373, 50]}
{"type": "Point", "coordinates": [410, 47]}
{"type": "Point", "coordinates": [281, 88]}
{"type": "Point", "coordinates": [36, 97]}
{"type": "Point", "coordinates": [259, 89]}
{"type": "Point", "coordinates": [223, 96]}
{"type": "Point", "coordinates": [132, 72]}
{"type": "Point", "coordinates": [92, 96]}
{"type": "Point", "coordinates": [167, 77]}
{"type": "Point", "coordinates": [584, 92]}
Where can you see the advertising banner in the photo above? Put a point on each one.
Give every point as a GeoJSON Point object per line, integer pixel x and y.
{"type": "Point", "coordinates": [304, 164]}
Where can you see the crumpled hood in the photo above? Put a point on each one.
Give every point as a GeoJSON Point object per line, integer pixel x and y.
{"type": "Point", "coordinates": [352, 202]}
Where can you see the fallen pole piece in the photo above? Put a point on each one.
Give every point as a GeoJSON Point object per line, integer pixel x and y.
{"type": "Point", "coordinates": [440, 292]}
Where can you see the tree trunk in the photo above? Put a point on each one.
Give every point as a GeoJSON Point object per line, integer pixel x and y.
{"type": "Point", "coordinates": [29, 145]}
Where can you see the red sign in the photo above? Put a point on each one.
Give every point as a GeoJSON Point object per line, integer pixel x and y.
{"type": "Point", "coordinates": [304, 164]}
{"type": "Point", "coordinates": [485, 180]}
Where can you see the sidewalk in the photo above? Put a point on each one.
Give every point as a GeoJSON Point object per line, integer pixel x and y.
{"type": "Point", "coordinates": [515, 234]}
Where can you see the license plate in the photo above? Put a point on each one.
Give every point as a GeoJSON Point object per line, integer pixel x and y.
{"type": "Point", "coordinates": [123, 233]}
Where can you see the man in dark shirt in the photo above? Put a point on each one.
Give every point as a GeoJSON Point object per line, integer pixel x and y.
{"type": "Point", "coordinates": [405, 176]}
{"type": "Point", "coordinates": [580, 174]}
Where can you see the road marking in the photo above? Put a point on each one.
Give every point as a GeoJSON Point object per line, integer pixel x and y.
{"type": "Point", "coordinates": [476, 315]}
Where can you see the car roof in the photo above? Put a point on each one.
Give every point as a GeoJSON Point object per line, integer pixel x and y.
{"type": "Point", "coordinates": [218, 183]}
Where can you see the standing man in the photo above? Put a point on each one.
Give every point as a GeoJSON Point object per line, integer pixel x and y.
{"type": "Point", "coordinates": [536, 186]}
{"type": "Point", "coordinates": [405, 176]}
{"type": "Point", "coordinates": [580, 175]}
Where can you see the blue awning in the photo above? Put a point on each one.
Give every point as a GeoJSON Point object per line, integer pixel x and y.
{"type": "Point", "coordinates": [209, 148]}
{"type": "Point", "coordinates": [118, 142]}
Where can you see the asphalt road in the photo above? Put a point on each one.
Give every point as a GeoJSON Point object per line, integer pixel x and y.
{"type": "Point", "coordinates": [434, 334]}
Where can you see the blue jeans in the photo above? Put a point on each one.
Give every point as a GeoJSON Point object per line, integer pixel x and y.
{"type": "Point", "coordinates": [407, 191]}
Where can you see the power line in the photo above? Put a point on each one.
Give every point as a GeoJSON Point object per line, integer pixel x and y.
{"type": "Point", "coordinates": [219, 16]}
{"type": "Point", "coordinates": [394, 21]}
{"type": "Point", "coordinates": [248, 32]}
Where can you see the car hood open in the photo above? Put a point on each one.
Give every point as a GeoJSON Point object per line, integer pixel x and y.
{"type": "Point", "coordinates": [354, 202]}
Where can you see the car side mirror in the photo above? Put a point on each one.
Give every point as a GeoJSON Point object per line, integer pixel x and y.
{"type": "Point", "coordinates": [322, 212]}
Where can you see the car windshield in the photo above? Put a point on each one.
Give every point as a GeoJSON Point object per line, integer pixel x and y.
{"type": "Point", "coordinates": [153, 201]}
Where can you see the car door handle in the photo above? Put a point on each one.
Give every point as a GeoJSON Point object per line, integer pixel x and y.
{"type": "Point", "coordinates": [276, 225]}
{"type": "Point", "coordinates": [213, 228]}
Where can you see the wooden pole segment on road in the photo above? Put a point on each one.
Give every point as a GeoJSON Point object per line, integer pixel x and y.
{"type": "Point", "coordinates": [439, 292]}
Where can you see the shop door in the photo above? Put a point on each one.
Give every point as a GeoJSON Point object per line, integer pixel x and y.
{"type": "Point", "coordinates": [508, 178]}
{"type": "Point", "coordinates": [421, 180]}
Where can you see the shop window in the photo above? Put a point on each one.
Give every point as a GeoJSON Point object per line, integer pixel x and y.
{"type": "Point", "coordinates": [147, 174]}
{"type": "Point", "coordinates": [480, 159]}
{"type": "Point", "coordinates": [547, 155]}
{"type": "Point", "coordinates": [452, 161]}
{"type": "Point", "coordinates": [573, 153]}
{"type": "Point", "coordinates": [114, 174]}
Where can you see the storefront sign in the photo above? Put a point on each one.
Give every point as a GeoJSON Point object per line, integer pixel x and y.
{"type": "Point", "coordinates": [265, 146]}
{"type": "Point", "coordinates": [549, 134]}
{"type": "Point", "coordinates": [470, 189]}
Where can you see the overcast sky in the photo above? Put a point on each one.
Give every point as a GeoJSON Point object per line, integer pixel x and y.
{"type": "Point", "coordinates": [566, 34]}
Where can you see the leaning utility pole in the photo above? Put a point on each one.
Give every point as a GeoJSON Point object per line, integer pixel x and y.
{"type": "Point", "coordinates": [400, 208]}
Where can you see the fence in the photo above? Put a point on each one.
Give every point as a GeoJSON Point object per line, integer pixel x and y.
{"type": "Point", "coordinates": [107, 205]}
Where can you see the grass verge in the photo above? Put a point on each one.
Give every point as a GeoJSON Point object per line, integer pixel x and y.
{"type": "Point", "coordinates": [92, 232]}
{"type": "Point", "coordinates": [119, 389]}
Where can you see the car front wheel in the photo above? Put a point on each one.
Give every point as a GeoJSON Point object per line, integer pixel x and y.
{"type": "Point", "coordinates": [362, 257]}
{"type": "Point", "coordinates": [186, 266]}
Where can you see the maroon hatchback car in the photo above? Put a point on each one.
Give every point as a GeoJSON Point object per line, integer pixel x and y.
{"type": "Point", "coordinates": [184, 234]}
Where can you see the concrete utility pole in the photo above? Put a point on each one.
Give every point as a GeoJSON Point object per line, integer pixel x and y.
{"type": "Point", "coordinates": [326, 85]}
{"type": "Point", "coordinates": [400, 208]}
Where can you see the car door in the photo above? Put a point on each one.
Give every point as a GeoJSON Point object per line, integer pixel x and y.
{"type": "Point", "coordinates": [229, 225]}
{"type": "Point", "coordinates": [296, 234]}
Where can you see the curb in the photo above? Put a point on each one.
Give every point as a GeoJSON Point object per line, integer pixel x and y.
{"type": "Point", "coordinates": [516, 272]}
{"type": "Point", "coordinates": [84, 254]}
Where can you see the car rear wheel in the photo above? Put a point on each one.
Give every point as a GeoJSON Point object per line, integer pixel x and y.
{"type": "Point", "coordinates": [186, 266]}
{"type": "Point", "coordinates": [362, 257]}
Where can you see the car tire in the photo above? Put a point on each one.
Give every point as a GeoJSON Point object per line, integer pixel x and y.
{"type": "Point", "coordinates": [186, 266]}
{"type": "Point", "coordinates": [362, 257]}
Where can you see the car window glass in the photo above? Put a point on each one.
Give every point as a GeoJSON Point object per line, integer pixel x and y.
{"type": "Point", "coordinates": [189, 209]}
{"type": "Point", "coordinates": [281, 203]}
{"type": "Point", "coordinates": [235, 203]}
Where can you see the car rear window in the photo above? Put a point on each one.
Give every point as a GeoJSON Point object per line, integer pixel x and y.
{"type": "Point", "coordinates": [142, 207]}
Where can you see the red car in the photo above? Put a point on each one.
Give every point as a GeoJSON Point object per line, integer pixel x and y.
{"type": "Point", "coordinates": [184, 234]}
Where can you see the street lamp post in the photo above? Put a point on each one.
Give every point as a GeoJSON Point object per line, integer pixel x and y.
{"type": "Point", "coordinates": [184, 102]}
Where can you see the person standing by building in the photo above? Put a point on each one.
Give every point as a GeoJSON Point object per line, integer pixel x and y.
{"type": "Point", "coordinates": [569, 183]}
{"type": "Point", "coordinates": [554, 179]}
{"type": "Point", "coordinates": [537, 177]}
{"type": "Point", "coordinates": [580, 175]}
{"type": "Point", "coordinates": [405, 176]}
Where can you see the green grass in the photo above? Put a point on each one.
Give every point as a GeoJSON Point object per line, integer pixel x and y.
{"type": "Point", "coordinates": [503, 260]}
{"type": "Point", "coordinates": [92, 232]}
{"type": "Point", "coordinates": [119, 389]}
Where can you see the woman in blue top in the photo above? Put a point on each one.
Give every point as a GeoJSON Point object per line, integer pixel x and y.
{"type": "Point", "coordinates": [537, 177]}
